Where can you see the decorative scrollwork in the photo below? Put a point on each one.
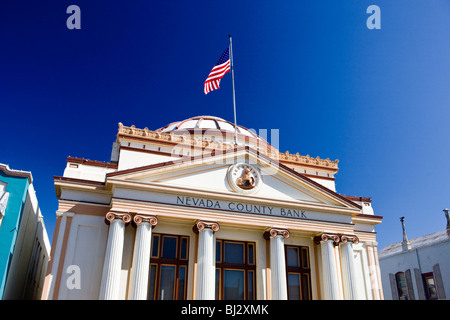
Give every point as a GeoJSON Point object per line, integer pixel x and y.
{"type": "Point", "coordinates": [346, 238]}
{"type": "Point", "coordinates": [200, 225]}
{"type": "Point", "coordinates": [273, 232]}
{"type": "Point", "coordinates": [139, 218]}
{"type": "Point", "coordinates": [189, 141]}
{"type": "Point", "coordinates": [111, 216]}
{"type": "Point", "coordinates": [327, 236]}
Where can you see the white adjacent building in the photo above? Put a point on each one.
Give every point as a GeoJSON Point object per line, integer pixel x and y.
{"type": "Point", "coordinates": [417, 269]}
{"type": "Point", "coordinates": [183, 212]}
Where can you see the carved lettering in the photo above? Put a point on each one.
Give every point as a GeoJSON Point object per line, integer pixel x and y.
{"type": "Point", "coordinates": [241, 207]}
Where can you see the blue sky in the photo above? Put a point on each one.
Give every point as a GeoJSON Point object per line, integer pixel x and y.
{"type": "Point", "coordinates": [377, 100]}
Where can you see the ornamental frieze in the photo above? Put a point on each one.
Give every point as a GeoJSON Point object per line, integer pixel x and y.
{"type": "Point", "coordinates": [207, 143]}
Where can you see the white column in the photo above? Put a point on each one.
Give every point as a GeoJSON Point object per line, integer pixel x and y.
{"type": "Point", "coordinates": [109, 289]}
{"type": "Point", "coordinates": [330, 282]}
{"type": "Point", "coordinates": [378, 270]}
{"type": "Point", "coordinates": [206, 262]}
{"type": "Point", "coordinates": [277, 263]}
{"type": "Point", "coordinates": [141, 256]}
{"type": "Point", "coordinates": [373, 271]}
{"type": "Point", "coordinates": [350, 281]}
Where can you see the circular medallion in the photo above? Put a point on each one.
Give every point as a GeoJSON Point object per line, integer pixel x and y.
{"type": "Point", "coordinates": [244, 178]}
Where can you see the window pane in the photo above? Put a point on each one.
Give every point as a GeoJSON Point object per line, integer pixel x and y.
{"type": "Point", "coordinates": [234, 252]}
{"type": "Point", "coordinates": [305, 258]}
{"type": "Point", "coordinates": [305, 287]}
{"type": "Point", "coordinates": [294, 286]}
{"type": "Point", "coordinates": [208, 124]}
{"type": "Point", "coordinates": [292, 257]}
{"type": "Point", "coordinates": [217, 284]}
{"type": "Point", "coordinates": [226, 126]}
{"type": "Point", "coordinates": [251, 279]}
{"type": "Point", "coordinates": [429, 282]}
{"type": "Point", "coordinates": [155, 246]}
{"type": "Point", "coordinates": [188, 124]}
{"type": "Point", "coordinates": [181, 282]}
{"type": "Point", "coordinates": [251, 254]}
{"type": "Point", "coordinates": [151, 285]}
{"type": "Point", "coordinates": [184, 242]}
{"type": "Point", "coordinates": [169, 247]}
{"type": "Point", "coordinates": [218, 250]}
{"type": "Point", "coordinates": [167, 282]}
{"type": "Point", "coordinates": [401, 285]}
{"type": "Point", "coordinates": [233, 285]}
{"type": "Point", "coordinates": [171, 127]}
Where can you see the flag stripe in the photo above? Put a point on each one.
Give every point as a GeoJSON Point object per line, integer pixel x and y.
{"type": "Point", "coordinates": [220, 68]}
{"type": "Point", "coordinates": [218, 75]}
{"type": "Point", "coordinates": [218, 71]}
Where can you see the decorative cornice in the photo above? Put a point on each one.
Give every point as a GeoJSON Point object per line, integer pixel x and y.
{"type": "Point", "coordinates": [94, 163]}
{"type": "Point", "coordinates": [140, 218]}
{"type": "Point", "coordinates": [111, 216]}
{"type": "Point", "coordinates": [200, 225]}
{"type": "Point", "coordinates": [207, 143]}
{"type": "Point", "coordinates": [360, 199]}
{"type": "Point", "coordinates": [16, 173]}
{"type": "Point", "coordinates": [273, 232]}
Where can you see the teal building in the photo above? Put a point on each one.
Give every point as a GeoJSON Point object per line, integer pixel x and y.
{"type": "Point", "coordinates": [24, 244]}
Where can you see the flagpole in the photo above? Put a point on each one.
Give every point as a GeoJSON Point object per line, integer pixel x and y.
{"type": "Point", "coordinates": [234, 94]}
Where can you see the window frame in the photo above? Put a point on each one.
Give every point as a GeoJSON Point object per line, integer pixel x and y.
{"type": "Point", "coordinates": [247, 267]}
{"type": "Point", "coordinates": [304, 268]}
{"type": "Point", "coordinates": [428, 296]}
{"type": "Point", "coordinates": [404, 296]}
{"type": "Point", "coordinates": [159, 261]}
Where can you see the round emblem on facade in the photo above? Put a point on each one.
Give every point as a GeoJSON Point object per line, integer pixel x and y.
{"type": "Point", "coordinates": [244, 178]}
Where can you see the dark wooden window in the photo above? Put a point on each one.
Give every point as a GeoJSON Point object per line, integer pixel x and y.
{"type": "Point", "coordinates": [168, 267]}
{"type": "Point", "coordinates": [298, 273]}
{"type": "Point", "coordinates": [235, 270]}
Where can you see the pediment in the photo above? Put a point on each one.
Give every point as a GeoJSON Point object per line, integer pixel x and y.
{"type": "Point", "coordinates": [212, 174]}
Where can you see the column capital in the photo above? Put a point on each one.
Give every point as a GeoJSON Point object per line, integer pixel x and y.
{"type": "Point", "coordinates": [140, 218]}
{"type": "Point", "coordinates": [111, 216]}
{"type": "Point", "coordinates": [327, 236]}
{"type": "Point", "coordinates": [345, 238]}
{"type": "Point", "coordinates": [201, 224]}
{"type": "Point", "coordinates": [273, 232]}
{"type": "Point", "coordinates": [67, 214]}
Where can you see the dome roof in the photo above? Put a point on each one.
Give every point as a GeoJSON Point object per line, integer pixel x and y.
{"type": "Point", "coordinates": [210, 125]}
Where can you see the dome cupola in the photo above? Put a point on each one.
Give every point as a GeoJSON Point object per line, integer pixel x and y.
{"type": "Point", "coordinates": [215, 128]}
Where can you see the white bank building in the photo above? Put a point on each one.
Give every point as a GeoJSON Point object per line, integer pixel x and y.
{"type": "Point", "coordinates": [183, 212]}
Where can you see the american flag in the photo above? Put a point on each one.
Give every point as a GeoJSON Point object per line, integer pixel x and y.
{"type": "Point", "coordinates": [218, 71]}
